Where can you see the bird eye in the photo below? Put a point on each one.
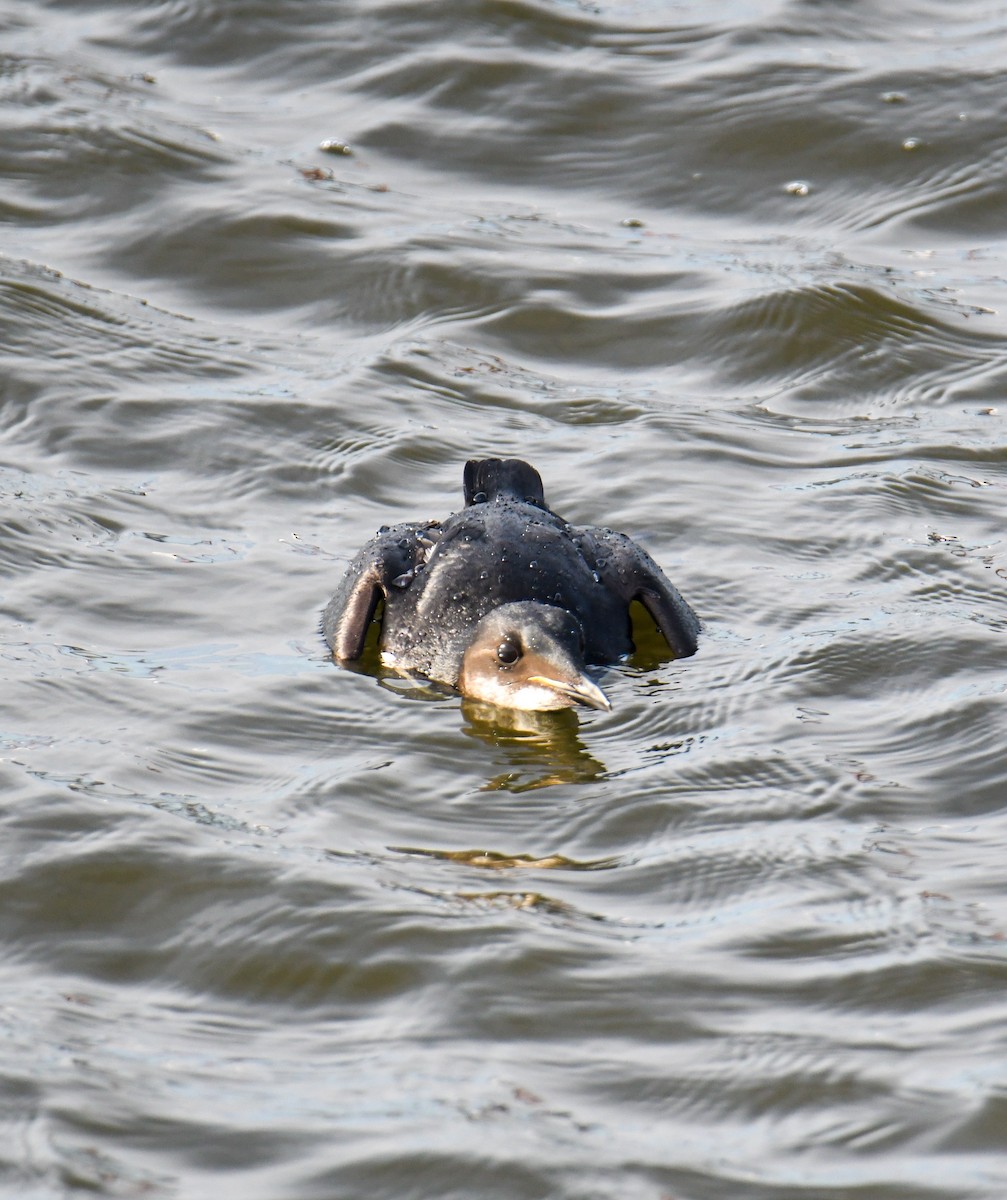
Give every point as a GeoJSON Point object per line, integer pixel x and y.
{"type": "Point", "coordinates": [508, 653]}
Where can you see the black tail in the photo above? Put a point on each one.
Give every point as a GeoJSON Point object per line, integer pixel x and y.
{"type": "Point", "coordinates": [502, 478]}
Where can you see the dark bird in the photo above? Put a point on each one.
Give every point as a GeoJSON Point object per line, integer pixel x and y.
{"type": "Point", "coordinates": [504, 600]}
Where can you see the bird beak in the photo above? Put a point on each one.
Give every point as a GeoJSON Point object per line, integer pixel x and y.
{"type": "Point", "coordinates": [581, 690]}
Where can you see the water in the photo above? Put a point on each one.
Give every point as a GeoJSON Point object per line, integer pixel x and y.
{"type": "Point", "coordinates": [732, 277]}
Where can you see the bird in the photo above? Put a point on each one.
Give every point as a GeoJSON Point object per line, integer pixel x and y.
{"type": "Point", "coordinates": [504, 600]}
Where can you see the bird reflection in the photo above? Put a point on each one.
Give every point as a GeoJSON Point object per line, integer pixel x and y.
{"type": "Point", "coordinates": [541, 748]}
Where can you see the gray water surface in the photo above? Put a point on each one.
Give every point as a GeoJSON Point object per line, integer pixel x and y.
{"type": "Point", "coordinates": [733, 277]}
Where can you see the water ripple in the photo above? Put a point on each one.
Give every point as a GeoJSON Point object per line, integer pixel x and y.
{"type": "Point", "coordinates": [733, 280]}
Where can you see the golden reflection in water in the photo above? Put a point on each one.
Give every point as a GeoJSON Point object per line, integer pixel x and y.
{"type": "Point", "coordinates": [527, 901]}
{"type": "Point", "coordinates": [541, 748]}
{"type": "Point", "coordinates": [493, 860]}
{"type": "Point", "coordinates": [538, 902]}
{"type": "Point", "coordinates": [651, 650]}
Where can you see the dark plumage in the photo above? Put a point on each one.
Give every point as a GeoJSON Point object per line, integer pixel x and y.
{"type": "Point", "coordinates": [569, 590]}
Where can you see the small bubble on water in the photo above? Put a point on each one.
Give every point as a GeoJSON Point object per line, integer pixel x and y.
{"type": "Point", "coordinates": [912, 143]}
{"type": "Point", "coordinates": [332, 146]}
{"type": "Point", "coordinates": [893, 97]}
{"type": "Point", "coordinates": [632, 223]}
{"type": "Point", "coordinates": [797, 187]}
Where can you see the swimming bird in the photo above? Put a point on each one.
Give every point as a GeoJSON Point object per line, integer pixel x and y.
{"type": "Point", "coordinates": [504, 600]}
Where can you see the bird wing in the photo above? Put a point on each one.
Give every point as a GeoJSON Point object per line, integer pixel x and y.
{"type": "Point", "coordinates": [390, 556]}
{"type": "Point", "coordinates": [629, 572]}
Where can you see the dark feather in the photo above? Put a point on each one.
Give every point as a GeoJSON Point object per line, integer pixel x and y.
{"type": "Point", "coordinates": [488, 479]}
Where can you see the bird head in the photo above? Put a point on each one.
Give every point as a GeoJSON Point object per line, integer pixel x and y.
{"type": "Point", "coordinates": [529, 656]}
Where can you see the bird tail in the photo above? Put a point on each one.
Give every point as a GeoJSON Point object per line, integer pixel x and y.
{"type": "Point", "coordinates": [502, 478]}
